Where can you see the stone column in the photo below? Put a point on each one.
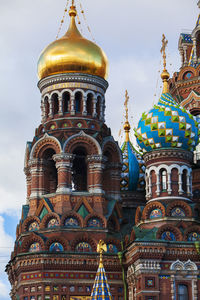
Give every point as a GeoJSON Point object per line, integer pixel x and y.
{"type": "Point", "coordinates": [72, 105]}
{"type": "Point", "coordinates": [84, 112]}
{"type": "Point", "coordinates": [157, 184]}
{"type": "Point", "coordinates": [94, 113]}
{"type": "Point", "coordinates": [195, 49]}
{"type": "Point", "coordinates": [28, 183]}
{"type": "Point", "coordinates": [169, 188]}
{"type": "Point", "coordinates": [95, 173]}
{"type": "Point", "coordinates": [180, 190]}
{"type": "Point", "coordinates": [64, 168]}
{"type": "Point", "coordinates": [43, 113]}
{"type": "Point", "coordinates": [60, 101]}
{"type": "Point", "coordinates": [185, 55]}
{"type": "Point", "coordinates": [182, 56]}
{"type": "Point", "coordinates": [50, 108]}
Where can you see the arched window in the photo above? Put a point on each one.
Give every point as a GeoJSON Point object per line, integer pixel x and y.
{"type": "Point", "coordinates": [163, 179]}
{"type": "Point", "coordinates": [50, 173]}
{"type": "Point", "coordinates": [46, 107]}
{"type": "Point", "coordinates": [78, 100]}
{"type": "Point", "coordinates": [79, 170]}
{"type": "Point", "coordinates": [98, 107]}
{"type": "Point", "coordinates": [89, 104]}
{"type": "Point", "coordinates": [184, 181]}
{"type": "Point", "coordinates": [183, 292]}
{"type": "Point", "coordinates": [55, 104]}
{"type": "Point", "coordinates": [66, 102]}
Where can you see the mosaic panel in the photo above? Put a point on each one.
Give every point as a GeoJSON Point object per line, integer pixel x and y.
{"type": "Point", "coordinates": [83, 247]}
{"type": "Point", "coordinates": [33, 226]}
{"type": "Point", "coordinates": [111, 248]}
{"type": "Point", "coordinates": [35, 247]}
{"type": "Point", "coordinates": [168, 236]}
{"type": "Point", "coordinates": [94, 222]}
{"type": "Point", "coordinates": [56, 247]}
{"type": "Point", "coordinates": [156, 213]}
{"type": "Point", "coordinates": [177, 212]}
{"type": "Point", "coordinates": [71, 222]}
{"type": "Point", "coordinates": [193, 236]}
{"type": "Point", "coordinates": [53, 223]}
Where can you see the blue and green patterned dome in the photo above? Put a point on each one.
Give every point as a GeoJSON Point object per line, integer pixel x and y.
{"type": "Point", "coordinates": [167, 125]}
{"type": "Point", "coordinates": [132, 175]}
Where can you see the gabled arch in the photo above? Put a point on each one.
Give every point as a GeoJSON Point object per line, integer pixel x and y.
{"type": "Point", "coordinates": [94, 215]}
{"type": "Point", "coordinates": [182, 204]}
{"type": "Point", "coordinates": [151, 206]}
{"type": "Point", "coordinates": [57, 238]}
{"type": "Point", "coordinates": [82, 139]}
{"type": "Point", "coordinates": [74, 215]}
{"type": "Point", "coordinates": [177, 265]}
{"type": "Point", "coordinates": [109, 142]}
{"type": "Point", "coordinates": [48, 217]}
{"type": "Point", "coordinates": [28, 221]}
{"type": "Point", "coordinates": [44, 143]}
{"type": "Point", "coordinates": [29, 240]}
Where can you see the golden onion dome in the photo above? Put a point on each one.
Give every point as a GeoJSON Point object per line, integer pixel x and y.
{"type": "Point", "coordinates": [72, 53]}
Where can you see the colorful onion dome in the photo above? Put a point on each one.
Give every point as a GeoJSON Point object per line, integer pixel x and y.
{"type": "Point", "coordinates": [167, 124]}
{"type": "Point", "coordinates": [72, 54]}
{"type": "Point", "coordinates": [132, 176]}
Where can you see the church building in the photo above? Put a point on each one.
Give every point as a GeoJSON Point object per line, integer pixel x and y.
{"type": "Point", "coordinates": [82, 187]}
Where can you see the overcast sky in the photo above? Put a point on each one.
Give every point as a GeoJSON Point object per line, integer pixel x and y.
{"type": "Point", "coordinates": [130, 33]}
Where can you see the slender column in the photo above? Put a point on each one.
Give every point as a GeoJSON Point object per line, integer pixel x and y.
{"type": "Point", "coordinates": [28, 183]}
{"type": "Point", "coordinates": [43, 113]}
{"type": "Point", "coordinates": [72, 105]}
{"type": "Point", "coordinates": [64, 167]}
{"type": "Point", "coordinates": [50, 108]}
{"type": "Point", "coordinates": [147, 186]}
{"type": "Point", "coordinates": [60, 101]}
{"type": "Point", "coordinates": [180, 190]}
{"type": "Point", "coordinates": [169, 190]}
{"type": "Point", "coordinates": [84, 113]}
{"type": "Point", "coordinates": [158, 183]}
{"type": "Point", "coordinates": [195, 49]}
{"type": "Point", "coordinates": [185, 55]}
{"type": "Point", "coordinates": [188, 184]}
{"type": "Point", "coordinates": [182, 56]}
{"type": "Point", "coordinates": [34, 165]}
{"type": "Point", "coordinates": [150, 189]}
{"type": "Point", "coordinates": [94, 114]}
{"type": "Point", "coordinates": [95, 168]}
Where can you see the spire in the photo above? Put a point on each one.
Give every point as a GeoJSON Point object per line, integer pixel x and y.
{"type": "Point", "coordinates": [165, 75]}
{"type": "Point", "coordinates": [72, 31]}
{"type": "Point", "coordinates": [101, 289]}
{"type": "Point", "coordinates": [127, 126]}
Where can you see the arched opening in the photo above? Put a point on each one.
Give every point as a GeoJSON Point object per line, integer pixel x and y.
{"type": "Point", "coordinates": [183, 292]}
{"type": "Point", "coordinates": [55, 104]}
{"type": "Point", "coordinates": [79, 170]}
{"type": "Point", "coordinates": [197, 44]}
{"type": "Point", "coordinates": [78, 102]}
{"type": "Point", "coordinates": [50, 178]}
{"type": "Point", "coordinates": [163, 180]}
{"type": "Point", "coordinates": [46, 107]}
{"type": "Point", "coordinates": [98, 107]}
{"type": "Point", "coordinates": [107, 182]}
{"type": "Point", "coordinates": [66, 102]}
{"type": "Point", "coordinates": [184, 181]}
{"type": "Point", "coordinates": [89, 104]}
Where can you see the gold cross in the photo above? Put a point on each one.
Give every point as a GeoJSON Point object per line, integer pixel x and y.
{"type": "Point", "coordinates": [126, 104]}
{"type": "Point", "coordinates": [163, 50]}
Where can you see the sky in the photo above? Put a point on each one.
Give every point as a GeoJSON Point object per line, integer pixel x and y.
{"type": "Point", "coordinates": [130, 33]}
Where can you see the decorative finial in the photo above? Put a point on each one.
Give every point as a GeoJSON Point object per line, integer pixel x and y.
{"type": "Point", "coordinates": [127, 126]}
{"type": "Point", "coordinates": [101, 247]}
{"type": "Point", "coordinates": [72, 11]}
{"type": "Point", "coordinates": [165, 75]}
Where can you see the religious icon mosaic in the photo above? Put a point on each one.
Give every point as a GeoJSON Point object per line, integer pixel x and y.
{"type": "Point", "coordinates": [94, 222]}
{"type": "Point", "coordinates": [83, 247]}
{"type": "Point", "coordinates": [177, 212]}
{"type": "Point", "coordinates": [53, 223]}
{"type": "Point", "coordinates": [193, 236]}
{"type": "Point", "coordinates": [35, 247]}
{"type": "Point", "coordinates": [71, 222]}
{"type": "Point", "coordinates": [156, 213]}
{"type": "Point", "coordinates": [33, 226]}
{"type": "Point", "coordinates": [168, 236]}
{"type": "Point", "coordinates": [56, 247]}
{"type": "Point", "coordinates": [111, 248]}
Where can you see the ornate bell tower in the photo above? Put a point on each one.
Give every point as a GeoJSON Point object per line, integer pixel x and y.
{"type": "Point", "coordinates": [73, 168]}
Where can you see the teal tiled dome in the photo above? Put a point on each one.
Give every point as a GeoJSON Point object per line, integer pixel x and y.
{"type": "Point", "coordinates": [167, 125]}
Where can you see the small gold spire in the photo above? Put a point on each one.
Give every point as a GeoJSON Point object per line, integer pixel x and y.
{"type": "Point", "coordinates": [127, 126]}
{"type": "Point", "coordinates": [101, 247]}
{"type": "Point", "coordinates": [165, 75]}
{"type": "Point", "coordinates": [72, 11]}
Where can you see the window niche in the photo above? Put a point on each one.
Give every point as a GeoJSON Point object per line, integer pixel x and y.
{"type": "Point", "coordinates": [79, 170]}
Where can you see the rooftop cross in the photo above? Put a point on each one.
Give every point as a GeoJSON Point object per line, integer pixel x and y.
{"type": "Point", "coordinates": [163, 50]}
{"type": "Point", "coordinates": [127, 126]}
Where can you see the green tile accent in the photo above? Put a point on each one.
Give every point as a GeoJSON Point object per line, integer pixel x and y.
{"type": "Point", "coordinates": [161, 132]}
{"type": "Point", "coordinates": [154, 126]}
{"type": "Point", "coordinates": [148, 121]}
{"type": "Point", "coordinates": [168, 139]}
{"type": "Point", "coordinates": [43, 213]}
{"type": "Point", "coordinates": [182, 126]}
{"type": "Point", "coordinates": [174, 144]}
{"type": "Point", "coordinates": [175, 118]}
{"type": "Point", "coordinates": [83, 211]}
{"type": "Point", "coordinates": [146, 143]}
{"type": "Point", "coordinates": [187, 134]}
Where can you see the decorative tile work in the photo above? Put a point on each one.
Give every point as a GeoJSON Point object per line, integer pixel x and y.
{"type": "Point", "coordinates": [56, 247]}
{"type": "Point", "coordinates": [168, 236]}
{"type": "Point", "coordinates": [177, 212]}
{"type": "Point", "coordinates": [149, 282]}
{"type": "Point", "coordinates": [71, 222]}
{"type": "Point", "coordinates": [34, 226]}
{"type": "Point", "coordinates": [167, 125]}
{"type": "Point", "coordinates": [193, 236]}
{"type": "Point", "coordinates": [112, 248]}
{"type": "Point", "coordinates": [35, 247]}
{"type": "Point", "coordinates": [164, 276]}
{"type": "Point", "coordinates": [156, 213]}
{"type": "Point", "coordinates": [52, 223]}
{"type": "Point", "coordinates": [101, 289]}
{"type": "Point", "coordinates": [83, 247]}
{"type": "Point", "coordinates": [94, 222]}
